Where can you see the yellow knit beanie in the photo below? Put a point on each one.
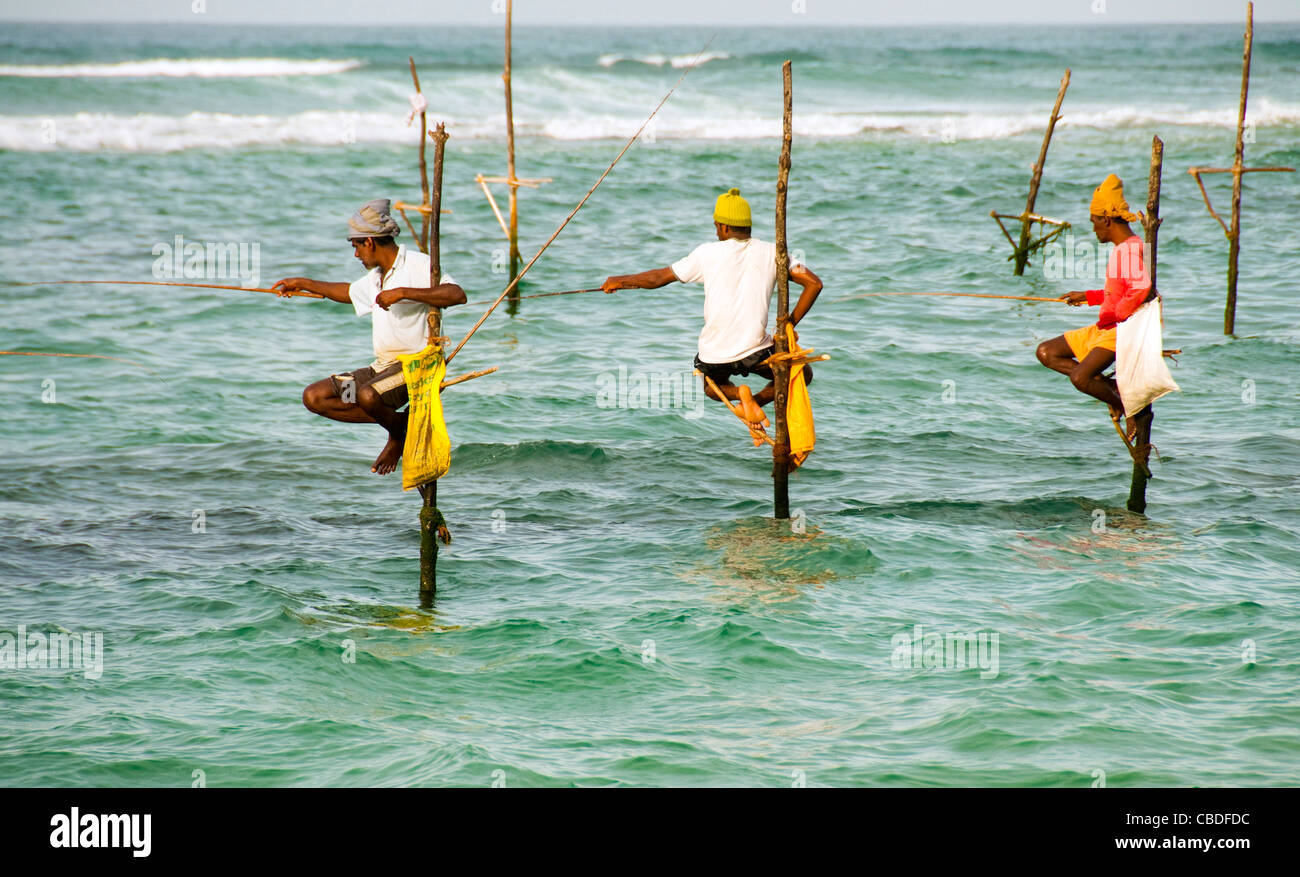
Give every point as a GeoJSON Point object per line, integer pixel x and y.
{"type": "Point", "coordinates": [732, 210]}
{"type": "Point", "coordinates": [1108, 200]}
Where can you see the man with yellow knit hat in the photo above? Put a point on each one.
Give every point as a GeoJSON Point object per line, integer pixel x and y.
{"type": "Point", "coordinates": [1086, 352]}
{"type": "Point", "coordinates": [739, 275]}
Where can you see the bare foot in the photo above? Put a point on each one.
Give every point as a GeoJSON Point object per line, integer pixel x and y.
{"type": "Point", "coordinates": [387, 460]}
{"type": "Point", "coordinates": [1130, 425]}
{"type": "Point", "coordinates": [753, 413]}
{"type": "Point", "coordinates": [752, 416]}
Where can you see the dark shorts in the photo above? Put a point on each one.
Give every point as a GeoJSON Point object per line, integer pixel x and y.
{"type": "Point", "coordinates": [752, 364]}
{"type": "Point", "coordinates": [389, 384]}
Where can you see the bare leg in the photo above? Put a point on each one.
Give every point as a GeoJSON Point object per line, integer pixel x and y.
{"type": "Point", "coordinates": [1087, 375]}
{"type": "Point", "coordinates": [1057, 355]}
{"type": "Point", "coordinates": [740, 395]}
{"type": "Point", "coordinates": [1087, 378]}
{"type": "Point", "coordinates": [387, 417]}
{"type": "Point", "coordinates": [321, 398]}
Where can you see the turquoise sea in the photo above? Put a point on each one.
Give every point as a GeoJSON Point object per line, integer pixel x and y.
{"type": "Point", "coordinates": [618, 606]}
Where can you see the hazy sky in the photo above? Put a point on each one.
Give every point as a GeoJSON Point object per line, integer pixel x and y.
{"type": "Point", "coordinates": [662, 12]}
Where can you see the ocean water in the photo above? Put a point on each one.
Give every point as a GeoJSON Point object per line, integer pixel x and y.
{"type": "Point", "coordinates": [618, 606]}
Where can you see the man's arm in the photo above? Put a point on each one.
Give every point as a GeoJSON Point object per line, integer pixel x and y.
{"type": "Point", "coordinates": [1090, 297]}
{"type": "Point", "coordinates": [645, 280]}
{"type": "Point", "coordinates": [444, 295]}
{"type": "Point", "coordinates": [332, 291]}
{"type": "Point", "coordinates": [812, 287]}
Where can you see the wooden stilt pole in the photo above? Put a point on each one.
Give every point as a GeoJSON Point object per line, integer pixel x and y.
{"type": "Point", "coordinates": [1137, 492]}
{"type": "Point", "coordinates": [510, 158]}
{"type": "Point", "coordinates": [1234, 236]}
{"type": "Point", "coordinates": [432, 525]}
{"type": "Point", "coordinates": [423, 240]}
{"type": "Point", "coordinates": [1233, 232]}
{"type": "Point", "coordinates": [439, 136]}
{"type": "Point", "coordinates": [781, 373]}
{"type": "Point", "coordinates": [1026, 224]}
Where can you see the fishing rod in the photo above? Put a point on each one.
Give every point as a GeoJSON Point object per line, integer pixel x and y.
{"type": "Point", "coordinates": [78, 355]}
{"type": "Point", "coordinates": [962, 294]}
{"type": "Point", "coordinates": [565, 292]}
{"type": "Point", "coordinates": [847, 297]}
{"type": "Point", "coordinates": [162, 283]}
{"type": "Point", "coordinates": [514, 284]}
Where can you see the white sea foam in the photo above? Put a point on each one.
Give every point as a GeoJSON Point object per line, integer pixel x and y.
{"type": "Point", "coordinates": [148, 132]}
{"type": "Point", "coordinates": [656, 60]}
{"type": "Point", "coordinates": [203, 68]}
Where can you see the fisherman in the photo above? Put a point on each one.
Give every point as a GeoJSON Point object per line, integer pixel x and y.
{"type": "Point", "coordinates": [739, 274]}
{"type": "Point", "coordinates": [396, 294]}
{"type": "Point", "coordinates": [1086, 352]}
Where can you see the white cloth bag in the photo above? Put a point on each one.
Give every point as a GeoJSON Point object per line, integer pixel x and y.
{"type": "Point", "coordinates": [1140, 368]}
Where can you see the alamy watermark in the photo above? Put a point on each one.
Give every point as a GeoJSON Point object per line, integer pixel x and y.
{"type": "Point", "coordinates": [1067, 257]}
{"type": "Point", "coordinates": [208, 260]}
{"type": "Point", "coordinates": [945, 651]}
{"type": "Point", "coordinates": [30, 650]}
{"type": "Point", "coordinates": [667, 390]}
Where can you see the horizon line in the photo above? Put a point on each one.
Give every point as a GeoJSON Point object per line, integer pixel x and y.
{"type": "Point", "coordinates": [1093, 21]}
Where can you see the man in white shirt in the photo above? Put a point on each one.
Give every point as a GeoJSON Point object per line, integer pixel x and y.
{"type": "Point", "coordinates": [396, 294]}
{"type": "Point", "coordinates": [739, 275]}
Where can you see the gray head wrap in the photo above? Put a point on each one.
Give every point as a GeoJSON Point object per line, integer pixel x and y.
{"type": "Point", "coordinates": [373, 220]}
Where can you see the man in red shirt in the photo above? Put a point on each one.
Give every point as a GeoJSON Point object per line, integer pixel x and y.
{"type": "Point", "coordinates": [1086, 352]}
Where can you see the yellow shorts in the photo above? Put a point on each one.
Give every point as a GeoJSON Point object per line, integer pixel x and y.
{"type": "Point", "coordinates": [1087, 339]}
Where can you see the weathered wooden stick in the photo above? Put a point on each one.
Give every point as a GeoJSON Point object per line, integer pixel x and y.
{"type": "Point", "coordinates": [565, 292]}
{"type": "Point", "coordinates": [1032, 217]}
{"type": "Point", "coordinates": [514, 284]}
{"type": "Point", "coordinates": [532, 184]}
{"type": "Point", "coordinates": [423, 239]}
{"type": "Point", "coordinates": [294, 294]}
{"type": "Point", "coordinates": [1151, 219]}
{"type": "Point", "coordinates": [1234, 236]}
{"type": "Point", "coordinates": [468, 376]}
{"type": "Point", "coordinates": [510, 157]}
{"type": "Point", "coordinates": [958, 294]}
{"type": "Point", "coordinates": [414, 236]}
{"type": "Point", "coordinates": [1245, 170]}
{"type": "Point", "coordinates": [77, 355]}
{"type": "Point", "coordinates": [492, 202]}
{"type": "Point", "coordinates": [998, 217]}
{"type": "Point", "coordinates": [439, 136]}
{"type": "Point", "coordinates": [1196, 174]}
{"type": "Point", "coordinates": [1141, 447]}
{"type": "Point", "coordinates": [1137, 488]}
{"type": "Point", "coordinates": [1022, 249]}
{"type": "Point", "coordinates": [781, 371]}
{"type": "Point", "coordinates": [735, 409]}
{"type": "Point", "coordinates": [432, 524]}
{"type": "Point", "coordinates": [422, 208]}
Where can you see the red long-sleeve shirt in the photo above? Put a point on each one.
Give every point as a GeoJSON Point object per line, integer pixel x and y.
{"type": "Point", "coordinates": [1127, 284]}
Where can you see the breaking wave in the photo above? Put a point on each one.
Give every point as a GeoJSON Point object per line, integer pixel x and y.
{"type": "Point", "coordinates": [203, 68]}
{"type": "Point", "coordinates": [657, 60]}
{"type": "Point", "coordinates": [146, 132]}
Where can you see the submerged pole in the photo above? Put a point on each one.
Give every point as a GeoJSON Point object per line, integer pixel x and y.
{"type": "Point", "coordinates": [1137, 491]}
{"type": "Point", "coordinates": [1026, 224]}
{"type": "Point", "coordinates": [431, 522]}
{"type": "Point", "coordinates": [1234, 235]}
{"type": "Point", "coordinates": [781, 372]}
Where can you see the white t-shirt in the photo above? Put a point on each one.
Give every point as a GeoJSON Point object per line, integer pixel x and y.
{"type": "Point", "coordinates": [404, 327]}
{"type": "Point", "coordinates": [738, 278]}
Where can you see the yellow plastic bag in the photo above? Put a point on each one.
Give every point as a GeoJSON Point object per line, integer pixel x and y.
{"type": "Point", "coordinates": [798, 408]}
{"type": "Point", "coordinates": [426, 455]}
